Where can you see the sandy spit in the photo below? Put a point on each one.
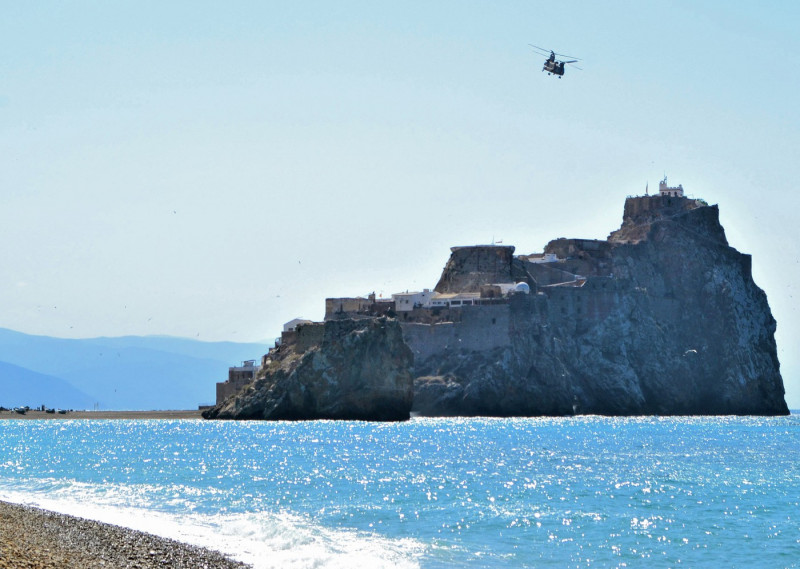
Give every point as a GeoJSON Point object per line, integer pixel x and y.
{"type": "Point", "coordinates": [191, 414]}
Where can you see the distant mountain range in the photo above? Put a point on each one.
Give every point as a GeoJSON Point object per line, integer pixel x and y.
{"type": "Point", "coordinates": [130, 372]}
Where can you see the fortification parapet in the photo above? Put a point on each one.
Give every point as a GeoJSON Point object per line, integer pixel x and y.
{"type": "Point", "coordinates": [641, 211]}
{"type": "Point", "coordinates": [582, 248]}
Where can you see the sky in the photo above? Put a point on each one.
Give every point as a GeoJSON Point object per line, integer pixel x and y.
{"type": "Point", "coordinates": [214, 169]}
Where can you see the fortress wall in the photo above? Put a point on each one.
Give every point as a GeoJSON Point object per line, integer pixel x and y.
{"type": "Point", "coordinates": [562, 307]}
{"type": "Point", "coordinates": [548, 273]}
{"type": "Point", "coordinates": [578, 308]}
{"type": "Point", "coordinates": [344, 307]}
{"type": "Point", "coordinates": [481, 328]}
{"type": "Point", "coordinates": [241, 375]}
{"type": "Point", "coordinates": [288, 337]}
{"type": "Point", "coordinates": [643, 208]}
{"type": "Point", "coordinates": [309, 336]}
{"type": "Point", "coordinates": [425, 340]}
{"type": "Point", "coordinates": [601, 297]}
{"type": "Point", "coordinates": [427, 315]}
{"type": "Point", "coordinates": [565, 248]}
{"type": "Point", "coordinates": [484, 327]}
{"type": "Point", "coordinates": [227, 388]}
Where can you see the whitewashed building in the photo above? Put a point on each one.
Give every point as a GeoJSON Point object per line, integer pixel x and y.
{"type": "Point", "coordinates": [293, 324]}
{"type": "Point", "coordinates": [454, 299]}
{"type": "Point", "coordinates": [407, 301]}
{"type": "Point", "coordinates": [542, 258]}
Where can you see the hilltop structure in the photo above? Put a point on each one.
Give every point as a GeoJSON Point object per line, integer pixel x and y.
{"type": "Point", "coordinates": [663, 317]}
{"type": "Point", "coordinates": [665, 190]}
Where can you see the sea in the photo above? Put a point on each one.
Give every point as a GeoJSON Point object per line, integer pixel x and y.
{"type": "Point", "coordinates": [581, 491]}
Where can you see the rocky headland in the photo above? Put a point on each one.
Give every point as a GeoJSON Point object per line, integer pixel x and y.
{"type": "Point", "coordinates": [663, 317]}
{"type": "Point", "coordinates": [343, 369]}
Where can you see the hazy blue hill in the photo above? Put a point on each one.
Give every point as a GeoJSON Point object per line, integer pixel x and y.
{"type": "Point", "coordinates": [133, 378]}
{"type": "Point", "coordinates": [20, 387]}
{"type": "Point", "coordinates": [131, 372]}
{"type": "Point", "coordinates": [227, 351]}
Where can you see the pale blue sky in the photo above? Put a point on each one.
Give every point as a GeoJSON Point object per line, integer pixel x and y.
{"type": "Point", "coordinates": [212, 170]}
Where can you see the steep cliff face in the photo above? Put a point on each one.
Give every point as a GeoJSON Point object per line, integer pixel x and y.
{"type": "Point", "coordinates": [672, 324]}
{"type": "Point", "coordinates": [360, 370]}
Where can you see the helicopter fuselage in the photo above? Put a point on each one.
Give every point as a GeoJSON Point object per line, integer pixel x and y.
{"type": "Point", "coordinates": [554, 67]}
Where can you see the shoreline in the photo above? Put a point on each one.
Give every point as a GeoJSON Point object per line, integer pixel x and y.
{"type": "Point", "coordinates": [33, 537]}
{"type": "Point", "coordinates": [38, 415]}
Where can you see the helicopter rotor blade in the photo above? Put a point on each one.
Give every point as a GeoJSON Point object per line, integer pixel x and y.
{"type": "Point", "coordinates": [546, 51]}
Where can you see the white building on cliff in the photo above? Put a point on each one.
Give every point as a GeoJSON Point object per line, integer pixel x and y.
{"type": "Point", "coordinates": [665, 190]}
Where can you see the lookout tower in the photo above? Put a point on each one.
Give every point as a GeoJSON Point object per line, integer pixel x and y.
{"type": "Point", "coordinates": [665, 190]}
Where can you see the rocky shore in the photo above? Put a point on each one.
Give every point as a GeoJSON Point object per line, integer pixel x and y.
{"type": "Point", "coordinates": [31, 538]}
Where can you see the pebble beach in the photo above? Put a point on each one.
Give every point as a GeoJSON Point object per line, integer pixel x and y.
{"type": "Point", "coordinates": [31, 538]}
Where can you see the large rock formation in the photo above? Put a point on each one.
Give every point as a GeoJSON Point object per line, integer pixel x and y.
{"type": "Point", "coordinates": [663, 318]}
{"type": "Point", "coordinates": [343, 369]}
{"type": "Point", "coordinates": [471, 267]}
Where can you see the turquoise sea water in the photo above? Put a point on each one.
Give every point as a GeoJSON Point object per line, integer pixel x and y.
{"type": "Point", "coordinates": [431, 493]}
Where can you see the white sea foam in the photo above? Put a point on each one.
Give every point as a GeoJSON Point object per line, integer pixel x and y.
{"type": "Point", "coordinates": [265, 540]}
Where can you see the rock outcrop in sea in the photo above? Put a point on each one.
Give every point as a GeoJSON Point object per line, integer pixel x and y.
{"type": "Point", "coordinates": [662, 318]}
{"type": "Point", "coordinates": [344, 369]}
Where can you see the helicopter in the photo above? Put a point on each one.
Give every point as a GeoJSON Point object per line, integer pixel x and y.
{"type": "Point", "coordinates": [552, 65]}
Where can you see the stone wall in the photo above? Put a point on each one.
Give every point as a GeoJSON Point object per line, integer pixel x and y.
{"type": "Point", "coordinates": [347, 308]}
{"type": "Point", "coordinates": [227, 388]}
{"type": "Point", "coordinates": [647, 208]}
{"type": "Point", "coordinates": [578, 308]}
{"type": "Point", "coordinates": [641, 211]}
{"type": "Point", "coordinates": [481, 329]}
{"type": "Point", "coordinates": [341, 307]}
{"type": "Point", "coordinates": [549, 273]}
{"type": "Point", "coordinates": [566, 248]}
{"type": "Point", "coordinates": [309, 336]}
